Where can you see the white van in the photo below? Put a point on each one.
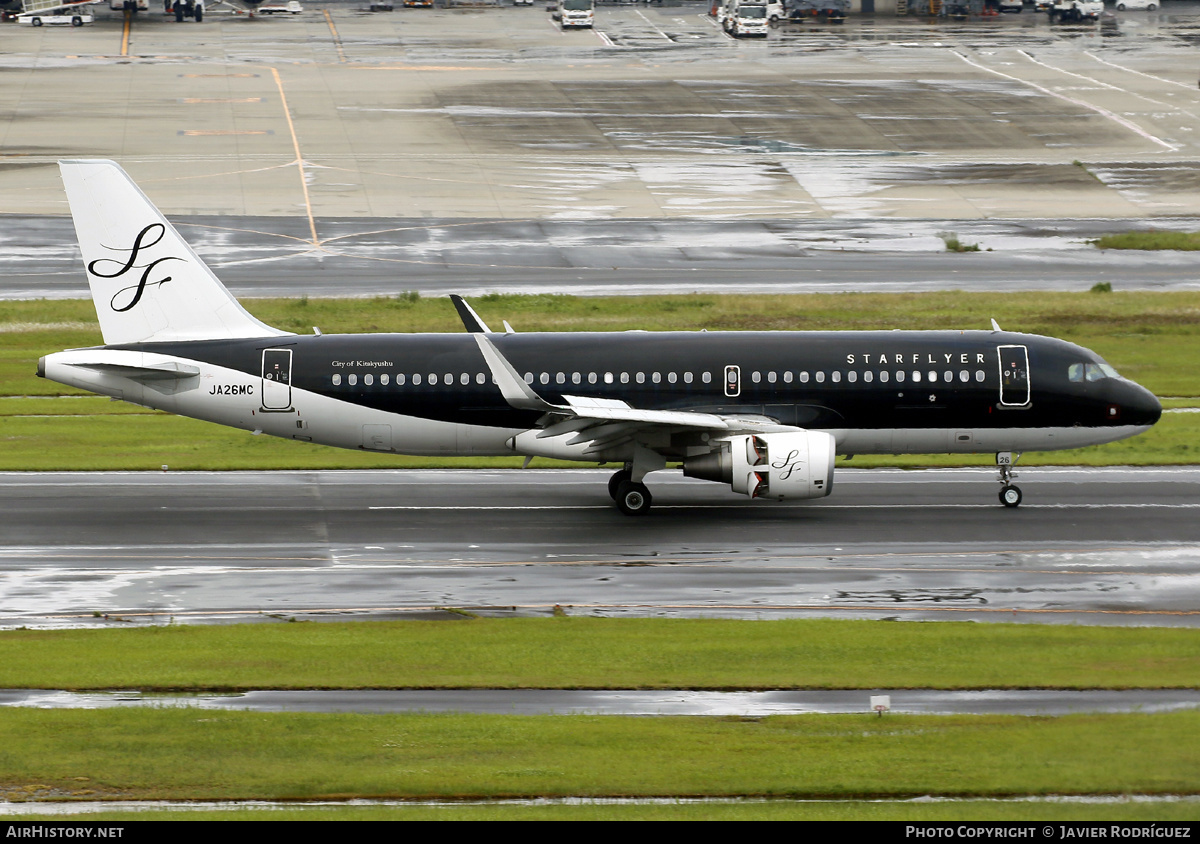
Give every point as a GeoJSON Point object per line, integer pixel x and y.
{"type": "Point", "coordinates": [744, 18]}
{"type": "Point", "coordinates": [576, 13]}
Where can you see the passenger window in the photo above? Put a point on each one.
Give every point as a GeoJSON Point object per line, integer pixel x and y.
{"type": "Point", "coordinates": [479, 378]}
{"type": "Point", "coordinates": [820, 377]}
{"type": "Point", "coordinates": [400, 380]}
{"type": "Point", "coordinates": [883, 377]}
{"type": "Point", "coordinates": [640, 377]}
{"type": "Point", "coordinates": [916, 377]}
{"type": "Point", "coordinates": [576, 378]}
{"type": "Point", "coordinates": [352, 380]}
{"type": "Point", "coordinates": [560, 378]}
{"type": "Point", "coordinates": [852, 376]}
{"type": "Point", "coordinates": [979, 376]}
{"type": "Point", "coordinates": [337, 380]}
{"type": "Point", "coordinates": [448, 379]}
{"type": "Point", "coordinates": [756, 376]}
{"type": "Point", "coordinates": [671, 378]}
{"type": "Point", "coordinates": [687, 377]}
{"type": "Point", "coordinates": [368, 379]}
{"type": "Point", "coordinates": [803, 377]}
{"type": "Point", "coordinates": [544, 378]}
{"type": "Point", "coordinates": [624, 377]}
{"type": "Point", "coordinates": [384, 379]}
{"type": "Point", "coordinates": [656, 377]}
{"type": "Point", "coordinates": [528, 377]}
{"type": "Point", "coordinates": [836, 377]}
{"type": "Point", "coordinates": [900, 377]}
{"type": "Point", "coordinates": [933, 377]}
{"type": "Point", "coordinates": [868, 376]}
{"type": "Point", "coordinates": [964, 376]}
{"type": "Point", "coordinates": [433, 378]}
{"type": "Point", "coordinates": [591, 378]}
{"type": "Point", "coordinates": [787, 376]}
{"type": "Point", "coordinates": [706, 377]}
{"type": "Point", "coordinates": [771, 377]}
{"type": "Point", "coordinates": [608, 378]}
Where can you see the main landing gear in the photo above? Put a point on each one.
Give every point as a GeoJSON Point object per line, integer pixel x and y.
{"type": "Point", "coordinates": [632, 497]}
{"type": "Point", "coordinates": [1010, 493]}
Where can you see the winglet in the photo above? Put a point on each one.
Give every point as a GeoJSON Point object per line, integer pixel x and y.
{"type": "Point", "coordinates": [466, 313]}
{"type": "Point", "coordinates": [512, 386]}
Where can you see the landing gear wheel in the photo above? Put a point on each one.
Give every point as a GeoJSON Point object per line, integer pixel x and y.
{"type": "Point", "coordinates": [1010, 496]}
{"type": "Point", "coordinates": [633, 499]}
{"type": "Point", "coordinates": [618, 478]}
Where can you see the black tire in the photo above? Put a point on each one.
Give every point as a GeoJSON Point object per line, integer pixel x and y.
{"type": "Point", "coordinates": [633, 499]}
{"type": "Point", "coordinates": [178, 13]}
{"type": "Point", "coordinates": [1010, 496]}
{"type": "Point", "coordinates": [616, 480]}
{"type": "Point", "coordinates": [199, 14]}
{"type": "Point", "coordinates": [1120, 7]}
{"type": "Point", "coordinates": [36, 21]}
{"type": "Point", "coordinates": [76, 21]}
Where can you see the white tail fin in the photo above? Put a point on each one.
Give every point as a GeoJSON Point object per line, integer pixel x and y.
{"type": "Point", "coordinates": [147, 283]}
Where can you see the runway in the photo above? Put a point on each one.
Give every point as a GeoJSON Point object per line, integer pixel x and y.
{"type": "Point", "coordinates": [1115, 546]}
{"type": "Point", "coordinates": [268, 257]}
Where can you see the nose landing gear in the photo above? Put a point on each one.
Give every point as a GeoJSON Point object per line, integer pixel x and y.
{"type": "Point", "coordinates": [1010, 493]}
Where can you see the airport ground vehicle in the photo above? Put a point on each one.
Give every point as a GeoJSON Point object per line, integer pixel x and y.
{"type": "Point", "coordinates": [130, 5]}
{"type": "Point", "coordinates": [61, 17]}
{"type": "Point", "coordinates": [576, 14]}
{"type": "Point", "coordinates": [764, 412]}
{"type": "Point", "coordinates": [1013, 6]}
{"type": "Point", "coordinates": [291, 7]}
{"type": "Point", "coordinates": [1074, 11]}
{"type": "Point", "coordinates": [185, 9]}
{"type": "Point", "coordinates": [1136, 5]}
{"type": "Point", "coordinates": [834, 11]}
{"type": "Point", "coordinates": [744, 18]}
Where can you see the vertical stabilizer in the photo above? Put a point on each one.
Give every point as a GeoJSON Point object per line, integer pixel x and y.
{"type": "Point", "coordinates": [147, 283]}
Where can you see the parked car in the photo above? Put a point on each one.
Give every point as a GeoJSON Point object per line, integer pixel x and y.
{"type": "Point", "coordinates": [1134, 5]}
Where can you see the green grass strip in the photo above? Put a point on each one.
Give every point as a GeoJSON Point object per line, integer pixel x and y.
{"type": "Point", "coordinates": [1152, 240]}
{"type": "Point", "coordinates": [1117, 809]}
{"type": "Point", "coordinates": [196, 754]}
{"type": "Point", "coordinates": [600, 653]}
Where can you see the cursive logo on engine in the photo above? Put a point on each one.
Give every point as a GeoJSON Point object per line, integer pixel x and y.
{"type": "Point", "coordinates": [155, 230]}
{"type": "Point", "coordinates": [787, 465]}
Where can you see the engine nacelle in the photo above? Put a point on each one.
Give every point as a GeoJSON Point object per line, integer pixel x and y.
{"type": "Point", "coordinates": [795, 464]}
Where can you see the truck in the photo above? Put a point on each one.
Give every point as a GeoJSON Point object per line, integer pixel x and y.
{"type": "Point", "coordinates": [742, 18]}
{"type": "Point", "coordinates": [129, 5]}
{"type": "Point", "coordinates": [576, 14]}
{"type": "Point", "coordinates": [1074, 11]}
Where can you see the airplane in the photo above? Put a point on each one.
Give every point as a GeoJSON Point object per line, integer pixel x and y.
{"type": "Point", "coordinates": [764, 413]}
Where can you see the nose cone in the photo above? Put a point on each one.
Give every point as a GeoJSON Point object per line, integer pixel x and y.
{"type": "Point", "coordinates": [1138, 406]}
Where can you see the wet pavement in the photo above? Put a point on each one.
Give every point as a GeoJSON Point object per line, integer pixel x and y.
{"type": "Point", "coordinates": [633, 702]}
{"type": "Point", "coordinates": [268, 256]}
{"type": "Point", "coordinates": [1095, 546]}
{"type": "Point", "coordinates": [496, 114]}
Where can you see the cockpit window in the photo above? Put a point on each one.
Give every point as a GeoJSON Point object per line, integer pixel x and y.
{"type": "Point", "coordinates": [1090, 372]}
